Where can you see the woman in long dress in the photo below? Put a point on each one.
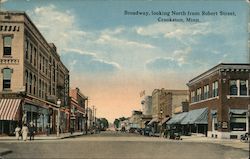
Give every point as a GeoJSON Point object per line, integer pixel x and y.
{"type": "Point", "coordinates": [25, 131]}
{"type": "Point", "coordinates": [17, 132]}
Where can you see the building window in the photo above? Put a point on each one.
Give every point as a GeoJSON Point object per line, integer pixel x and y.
{"type": "Point", "coordinates": [30, 84]}
{"type": "Point", "coordinates": [34, 56]}
{"type": "Point", "coordinates": [238, 122]}
{"type": "Point", "coordinates": [40, 62]}
{"type": "Point", "coordinates": [243, 87]}
{"type": "Point", "coordinates": [39, 87]}
{"type": "Point", "coordinates": [7, 41]}
{"type": "Point", "coordinates": [31, 53]}
{"type": "Point", "coordinates": [193, 96]}
{"type": "Point", "coordinates": [26, 49]}
{"type": "Point", "coordinates": [26, 80]}
{"type": "Point", "coordinates": [43, 64]}
{"type": "Point", "coordinates": [215, 89]}
{"type": "Point", "coordinates": [34, 87]}
{"type": "Point", "coordinates": [233, 87]}
{"type": "Point", "coordinates": [198, 94]}
{"type": "Point", "coordinates": [206, 92]}
{"type": "Point", "coordinates": [238, 87]}
{"type": "Point", "coordinates": [7, 78]}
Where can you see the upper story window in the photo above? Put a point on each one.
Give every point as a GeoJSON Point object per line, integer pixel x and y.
{"type": "Point", "coordinates": [198, 94]}
{"type": "Point", "coordinates": [26, 49]}
{"type": "Point", "coordinates": [238, 87]}
{"type": "Point", "coordinates": [31, 53]}
{"type": "Point", "coordinates": [243, 87]}
{"type": "Point", "coordinates": [7, 42]}
{"type": "Point", "coordinates": [206, 91]}
{"type": "Point", "coordinates": [215, 89]}
{"type": "Point", "coordinates": [7, 78]}
{"type": "Point", "coordinates": [193, 96]}
{"type": "Point", "coordinates": [233, 87]}
{"type": "Point", "coordinates": [34, 56]}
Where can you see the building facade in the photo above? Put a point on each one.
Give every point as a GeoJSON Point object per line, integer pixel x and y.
{"type": "Point", "coordinates": [78, 107]}
{"type": "Point", "coordinates": [147, 106]}
{"type": "Point", "coordinates": [224, 90]}
{"type": "Point", "coordinates": [32, 77]}
{"type": "Point", "coordinates": [164, 103]}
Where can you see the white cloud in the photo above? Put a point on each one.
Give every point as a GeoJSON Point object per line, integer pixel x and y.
{"type": "Point", "coordinates": [181, 55]}
{"type": "Point", "coordinates": [3, 1]}
{"type": "Point", "coordinates": [109, 39]}
{"type": "Point", "coordinates": [59, 27]}
{"type": "Point", "coordinates": [174, 30]}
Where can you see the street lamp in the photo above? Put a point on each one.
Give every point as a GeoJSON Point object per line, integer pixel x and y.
{"type": "Point", "coordinates": [58, 117]}
{"type": "Point", "coordinates": [161, 112]}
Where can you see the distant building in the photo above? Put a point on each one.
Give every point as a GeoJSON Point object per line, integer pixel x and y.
{"type": "Point", "coordinates": [135, 121]}
{"type": "Point", "coordinates": [32, 78]}
{"type": "Point", "coordinates": [224, 90]}
{"type": "Point", "coordinates": [147, 106]}
{"type": "Point", "coordinates": [164, 102]}
{"type": "Point", "coordinates": [78, 108]}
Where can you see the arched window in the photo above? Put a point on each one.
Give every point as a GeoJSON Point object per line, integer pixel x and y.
{"type": "Point", "coordinates": [6, 78]}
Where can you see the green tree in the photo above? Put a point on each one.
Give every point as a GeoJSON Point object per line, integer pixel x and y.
{"type": "Point", "coordinates": [117, 123]}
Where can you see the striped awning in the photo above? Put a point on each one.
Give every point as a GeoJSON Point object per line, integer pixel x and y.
{"type": "Point", "coordinates": [8, 108]}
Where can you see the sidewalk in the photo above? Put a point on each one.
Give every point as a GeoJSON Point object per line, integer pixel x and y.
{"type": "Point", "coordinates": [45, 137]}
{"type": "Point", "coordinates": [235, 143]}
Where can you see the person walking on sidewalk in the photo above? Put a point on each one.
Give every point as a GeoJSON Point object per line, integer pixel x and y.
{"type": "Point", "coordinates": [32, 131]}
{"type": "Point", "coordinates": [25, 131]}
{"type": "Point", "coordinates": [17, 132]}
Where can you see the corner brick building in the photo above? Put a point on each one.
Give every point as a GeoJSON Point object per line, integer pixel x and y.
{"type": "Point", "coordinates": [224, 90]}
{"type": "Point", "coordinates": [32, 79]}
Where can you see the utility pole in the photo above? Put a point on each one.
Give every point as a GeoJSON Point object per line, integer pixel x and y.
{"type": "Point", "coordinates": [86, 117]}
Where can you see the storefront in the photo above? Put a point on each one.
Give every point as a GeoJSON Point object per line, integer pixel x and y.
{"type": "Point", "coordinates": [39, 116]}
{"type": "Point", "coordinates": [9, 115]}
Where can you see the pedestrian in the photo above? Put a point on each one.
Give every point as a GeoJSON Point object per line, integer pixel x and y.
{"type": "Point", "coordinates": [25, 131]}
{"type": "Point", "coordinates": [17, 132]}
{"type": "Point", "coordinates": [48, 129]}
{"type": "Point", "coordinates": [32, 131]}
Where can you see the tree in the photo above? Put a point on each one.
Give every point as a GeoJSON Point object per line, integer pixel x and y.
{"type": "Point", "coordinates": [104, 123]}
{"type": "Point", "coordinates": [117, 123]}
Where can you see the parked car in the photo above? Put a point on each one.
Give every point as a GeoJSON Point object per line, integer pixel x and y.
{"type": "Point", "coordinates": [146, 131]}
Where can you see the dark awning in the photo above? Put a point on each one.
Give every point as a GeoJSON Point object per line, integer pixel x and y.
{"type": "Point", "coordinates": [197, 116]}
{"type": "Point", "coordinates": [8, 108]}
{"type": "Point", "coordinates": [177, 118]}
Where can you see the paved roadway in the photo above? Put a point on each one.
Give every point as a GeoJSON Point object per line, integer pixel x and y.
{"type": "Point", "coordinates": [113, 145]}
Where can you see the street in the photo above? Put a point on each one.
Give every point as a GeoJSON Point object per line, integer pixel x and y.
{"type": "Point", "coordinates": [117, 145]}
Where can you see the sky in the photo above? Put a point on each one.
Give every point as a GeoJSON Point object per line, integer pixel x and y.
{"type": "Point", "coordinates": [113, 56]}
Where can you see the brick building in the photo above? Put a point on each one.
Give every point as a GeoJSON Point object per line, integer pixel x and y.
{"type": "Point", "coordinates": [164, 102]}
{"type": "Point", "coordinates": [78, 106]}
{"type": "Point", "coordinates": [32, 77]}
{"type": "Point", "coordinates": [224, 90]}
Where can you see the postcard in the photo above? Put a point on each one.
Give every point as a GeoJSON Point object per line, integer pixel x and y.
{"type": "Point", "coordinates": [124, 79]}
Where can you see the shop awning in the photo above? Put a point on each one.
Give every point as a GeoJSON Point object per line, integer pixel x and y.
{"type": "Point", "coordinates": [8, 108]}
{"type": "Point", "coordinates": [238, 111]}
{"type": "Point", "coordinates": [153, 121]}
{"type": "Point", "coordinates": [198, 116]}
{"type": "Point", "coordinates": [164, 120]}
{"type": "Point", "coordinates": [177, 118]}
